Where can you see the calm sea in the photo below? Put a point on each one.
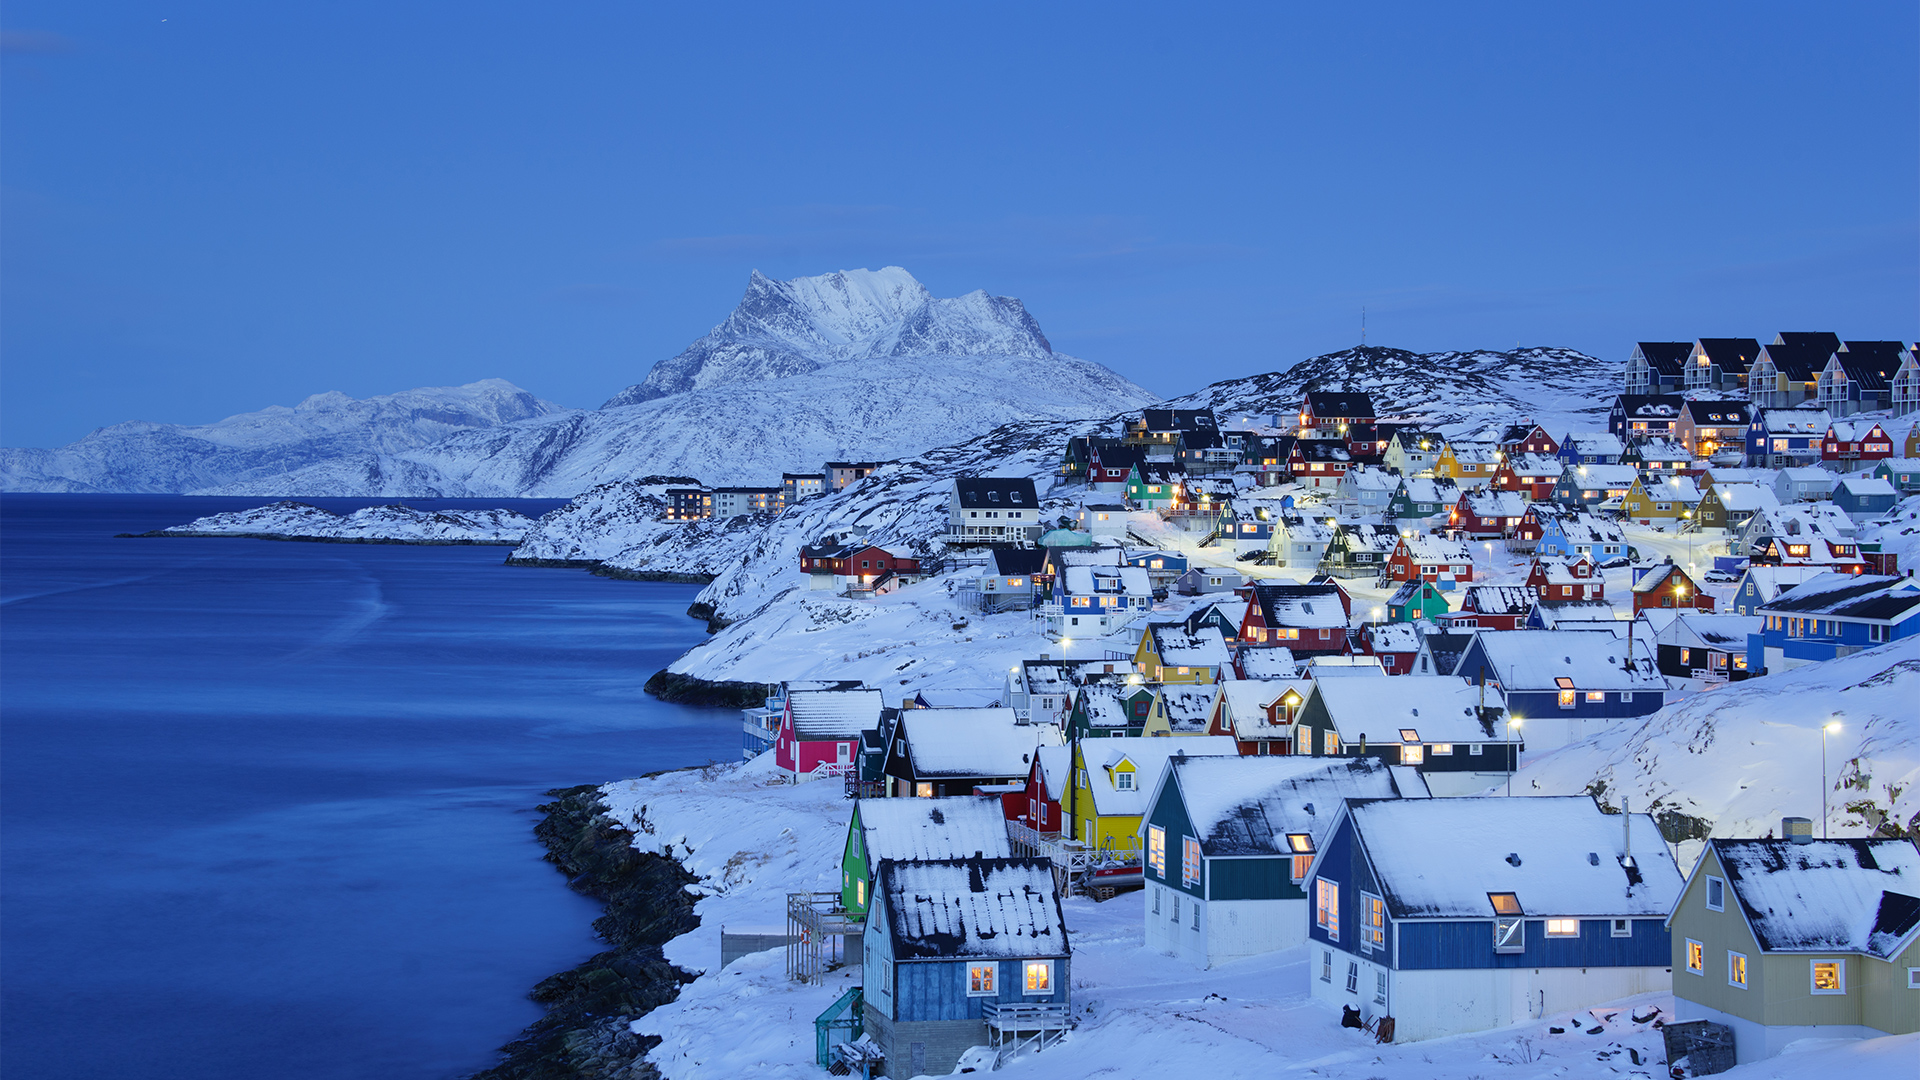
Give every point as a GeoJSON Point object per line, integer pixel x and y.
{"type": "Point", "coordinates": [265, 808]}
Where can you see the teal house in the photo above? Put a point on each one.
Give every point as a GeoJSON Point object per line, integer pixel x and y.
{"type": "Point", "coordinates": [1416, 600]}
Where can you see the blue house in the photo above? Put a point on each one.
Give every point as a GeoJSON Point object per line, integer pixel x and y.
{"type": "Point", "coordinates": [1563, 685]}
{"type": "Point", "coordinates": [1832, 615]}
{"type": "Point", "coordinates": [1458, 915]}
{"type": "Point", "coordinates": [1591, 448]}
{"type": "Point", "coordinates": [1779, 438]}
{"type": "Point", "coordinates": [1570, 535]}
{"type": "Point", "coordinates": [959, 953]}
{"type": "Point", "coordinates": [1864, 498]}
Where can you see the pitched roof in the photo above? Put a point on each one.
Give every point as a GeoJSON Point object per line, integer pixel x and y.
{"type": "Point", "coordinates": [1248, 805]}
{"type": "Point", "coordinates": [1300, 606]}
{"type": "Point", "coordinates": [1247, 701]}
{"type": "Point", "coordinates": [1871, 365]}
{"type": "Point", "coordinates": [1850, 596]}
{"type": "Point", "coordinates": [1013, 560]}
{"type": "Point", "coordinates": [1498, 599]}
{"type": "Point", "coordinates": [1801, 357]}
{"type": "Point", "coordinates": [1535, 465]}
{"type": "Point", "coordinates": [1863, 487]}
{"type": "Point", "coordinates": [1588, 529]}
{"type": "Point", "coordinates": [1558, 854]}
{"type": "Point", "coordinates": [1178, 419]}
{"type": "Point", "coordinates": [820, 715]}
{"type": "Point", "coordinates": [1795, 421]}
{"type": "Point", "coordinates": [1393, 638]}
{"type": "Point", "coordinates": [996, 491]}
{"type": "Point", "coordinates": [964, 743]}
{"type": "Point", "coordinates": [1850, 895]}
{"type": "Point", "coordinates": [1181, 647]}
{"type": "Point", "coordinates": [1267, 662]}
{"type": "Point", "coordinates": [1602, 476]}
{"type": "Point", "coordinates": [1532, 660]}
{"type": "Point", "coordinates": [1731, 355]}
{"type": "Point", "coordinates": [1656, 577]}
{"type": "Point", "coordinates": [1437, 708]}
{"type": "Point", "coordinates": [1446, 648]}
{"type": "Point", "coordinates": [1602, 443]}
{"type": "Point", "coordinates": [1149, 756]}
{"type": "Point", "coordinates": [1324, 403]}
{"type": "Point", "coordinates": [956, 827]}
{"type": "Point", "coordinates": [972, 907]}
{"type": "Point", "coordinates": [1650, 406]}
{"type": "Point", "coordinates": [1491, 504]}
{"type": "Point", "coordinates": [1665, 356]}
{"type": "Point", "coordinates": [1127, 580]}
{"type": "Point", "coordinates": [1427, 548]}
{"type": "Point", "coordinates": [1715, 631]}
{"type": "Point", "coordinates": [1717, 412]}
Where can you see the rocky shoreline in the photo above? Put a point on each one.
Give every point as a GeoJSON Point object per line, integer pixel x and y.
{"type": "Point", "coordinates": [689, 690]}
{"type": "Point", "coordinates": [164, 533]}
{"type": "Point", "coordinates": [585, 1034]}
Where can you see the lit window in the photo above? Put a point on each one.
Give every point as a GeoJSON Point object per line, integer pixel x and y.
{"type": "Point", "coordinates": [980, 980]}
{"type": "Point", "coordinates": [1563, 927]}
{"type": "Point", "coordinates": [1301, 845]}
{"type": "Point", "coordinates": [1696, 957]}
{"type": "Point", "coordinates": [923, 790]}
{"type": "Point", "coordinates": [1829, 976]}
{"type": "Point", "coordinates": [1441, 749]}
{"type": "Point", "coordinates": [1596, 695]}
{"type": "Point", "coordinates": [1330, 742]}
{"type": "Point", "coordinates": [1736, 969]}
{"type": "Point", "coordinates": [1566, 699]}
{"type": "Point", "coordinates": [1412, 754]}
{"type": "Point", "coordinates": [1504, 903]}
{"type": "Point", "coordinates": [1157, 850]}
{"type": "Point", "coordinates": [1326, 907]}
{"type": "Point", "coordinates": [1373, 922]}
{"type": "Point", "coordinates": [1189, 860]}
{"type": "Point", "coordinates": [1039, 977]}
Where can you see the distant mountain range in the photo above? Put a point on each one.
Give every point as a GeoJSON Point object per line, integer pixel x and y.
{"type": "Point", "coordinates": [860, 364]}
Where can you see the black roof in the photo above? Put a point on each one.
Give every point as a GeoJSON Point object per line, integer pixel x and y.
{"type": "Point", "coordinates": [1326, 403]}
{"type": "Point", "coordinates": [1872, 364]}
{"type": "Point", "coordinates": [1119, 457]}
{"type": "Point", "coordinates": [803, 476]}
{"type": "Point", "coordinates": [1734, 412]}
{"type": "Point", "coordinates": [854, 464]}
{"type": "Point", "coordinates": [1665, 356]}
{"type": "Point", "coordinates": [1817, 339]}
{"type": "Point", "coordinates": [1799, 358]}
{"type": "Point", "coordinates": [996, 491]}
{"type": "Point", "coordinates": [1447, 648]}
{"type": "Point", "coordinates": [1731, 354]}
{"type": "Point", "coordinates": [1178, 420]}
{"type": "Point", "coordinates": [1650, 404]}
{"type": "Point", "coordinates": [1018, 560]}
{"type": "Point", "coordinates": [1323, 450]}
{"type": "Point", "coordinates": [1869, 597]}
{"type": "Point", "coordinates": [1201, 440]}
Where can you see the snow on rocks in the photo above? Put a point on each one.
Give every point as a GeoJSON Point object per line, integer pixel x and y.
{"type": "Point", "coordinates": [372, 525]}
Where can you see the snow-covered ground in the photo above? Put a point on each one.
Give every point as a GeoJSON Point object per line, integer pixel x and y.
{"type": "Point", "coordinates": [382, 524]}
{"type": "Point", "coordinates": [1139, 1014]}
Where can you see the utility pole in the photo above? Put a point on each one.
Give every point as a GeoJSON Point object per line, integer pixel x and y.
{"type": "Point", "coordinates": [1363, 326]}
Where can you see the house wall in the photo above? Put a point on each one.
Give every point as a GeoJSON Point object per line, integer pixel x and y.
{"type": "Point", "coordinates": [1886, 1004]}
{"type": "Point", "coordinates": [1432, 1004]}
{"type": "Point", "coordinates": [936, 990]}
{"type": "Point", "coordinates": [1468, 943]}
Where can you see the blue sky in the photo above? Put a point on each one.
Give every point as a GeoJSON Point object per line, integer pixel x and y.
{"type": "Point", "coordinates": [210, 208]}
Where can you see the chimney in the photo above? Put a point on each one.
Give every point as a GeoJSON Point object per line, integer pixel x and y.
{"type": "Point", "coordinates": [1797, 830]}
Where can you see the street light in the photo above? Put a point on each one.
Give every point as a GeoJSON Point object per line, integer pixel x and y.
{"type": "Point", "coordinates": [1513, 756]}
{"type": "Point", "coordinates": [1832, 727]}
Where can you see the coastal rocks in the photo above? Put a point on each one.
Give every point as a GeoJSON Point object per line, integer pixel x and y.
{"type": "Point", "coordinates": [585, 1034]}
{"type": "Point", "coordinates": [395, 524]}
{"type": "Point", "coordinates": [690, 690]}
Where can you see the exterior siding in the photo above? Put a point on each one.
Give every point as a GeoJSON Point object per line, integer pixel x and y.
{"type": "Point", "coordinates": [1170, 813]}
{"type": "Point", "coordinates": [1454, 944]}
{"type": "Point", "coordinates": [937, 989]}
{"type": "Point", "coordinates": [1250, 878]}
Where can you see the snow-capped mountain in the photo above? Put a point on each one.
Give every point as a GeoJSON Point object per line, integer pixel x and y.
{"type": "Point", "coordinates": [252, 447]}
{"type": "Point", "coordinates": [1457, 393]}
{"type": "Point", "coordinates": [787, 328]}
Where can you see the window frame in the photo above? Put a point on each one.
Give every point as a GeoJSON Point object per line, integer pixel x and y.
{"type": "Point", "coordinates": [1737, 962]}
{"type": "Point", "coordinates": [1326, 907]}
{"type": "Point", "coordinates": [1558, 928]}
{"type": "Point", "coordinates": [1719, 885]}
{"type": "Point", "coordinates": [1157, 850]}
{"type": "Point", "coordinates": [1373, 922]}
{"type": "Point", "coordinates": [1620, 927]}
{"type": "Point", "coordinates": [1695, 956]}
{"type": "Point", "coordinates": [1190, 861]}
{"type": "Point", "coordinates": [1840, 976]}
{"type": "Point", "coordinates": [1045, 967]}
{"type": "Point", "coordinates": [1509, 934]}
{"type": "Point", "coordinates": [1326, 966]}
{"type": "Point", "coordinates": [975, 987]}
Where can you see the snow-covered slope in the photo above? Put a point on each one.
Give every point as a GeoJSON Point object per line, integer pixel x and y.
{"type": "Point", "coordinates": [1458, 393]}
{"type": "Point", "coordinates": [371, 525]}
{"type": "Point", "coordinates": [1738, 758]}
{"type": "Point", "coordinates": [246, 449]}
{"type": "Point", "coordinates": [787, 328]}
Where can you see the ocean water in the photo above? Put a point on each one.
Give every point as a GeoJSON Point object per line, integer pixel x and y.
{"type": "Point", "coordinates": [266, 808]}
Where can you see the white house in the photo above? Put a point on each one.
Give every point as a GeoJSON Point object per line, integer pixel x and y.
{"type": "Point", "coordinates": [1300, 539]}
{"type": "Point", "coordinates": [1803, 483]}
{"type": "Point", "coordinates": [985, 509]}
{"type": "Point", "coordinates": [1102, 519]}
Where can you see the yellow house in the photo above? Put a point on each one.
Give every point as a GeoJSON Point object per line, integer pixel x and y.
{"type": "Point", "coordinates": [1114, 778]}
{"type": "Point", "coordinates": [1181, 709]}
{"type": "Point", "coordinates": [1660, 501]}
{"type": "Point", "coordinates": [1783, 940]}
{"type": "Point", "coordinates": [1467, 463]}
{"type": "Point", "coordinates": [1170, 653]}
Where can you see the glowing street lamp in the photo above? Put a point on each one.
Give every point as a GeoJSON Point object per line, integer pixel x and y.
{"type": "Point", "coordinates": [1513, 756]}
{"type": "Point", "coordinates": [1832, 728]}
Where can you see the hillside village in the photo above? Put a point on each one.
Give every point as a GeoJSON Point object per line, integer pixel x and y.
{"type": "Point", "coordinates": [1255, 673]}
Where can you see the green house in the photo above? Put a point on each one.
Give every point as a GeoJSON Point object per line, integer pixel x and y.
{"type": "Point", "coordinates": [955, 827]}
{"type": "Point", "coordinates": [1417, 600]}
{"type": "Point", "coordinates": [1152, 485]}
{"type": "Point", "coordinates": [1902, 473]}
{"type": "Point", "coordinates": [1421, 497]}
{"type": "Point", "coordinates": [1102, 711]}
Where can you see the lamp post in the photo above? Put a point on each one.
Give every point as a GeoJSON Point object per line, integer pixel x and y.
{"type": "Point", "coordinates": [1832, 727]}
{"type": "Point", "coordinates": [1513, 755]}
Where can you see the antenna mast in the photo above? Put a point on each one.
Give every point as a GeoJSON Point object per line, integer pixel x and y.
{"type": "Point", "coordinates": [1363, 326]}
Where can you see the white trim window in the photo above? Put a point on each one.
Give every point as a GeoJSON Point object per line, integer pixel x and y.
{"type": "Point", "coordinates": [1189, 861]}
{"type": "Point", "coordinates": [1716, 894]}
{"type": "Point", "coordinates": [1913, 978]}
{"type": "Point", "coordinates": [1373, 922]}
{"type": "Point", "coordinates": [1696, 958]}
{"type": "Point", "coordinates": [1622, 927]}
{"type": "Point", "coordinates": [1039, 978]}
{"type": "Point", "coordinates": [1326, 967]}
{"type": "Point", "coordinates": [1157, 851]}
{"type": "Point", "coordinates": [981, 979]}
{"type": "Point", "coordinates": [1326, 907]}
{"type": "Point", "coordinates": [1736, 969]}
{"type": "Point", "coordinates": [1563, 928]}
{"type": "Point", "coordinates": [1827, 976]}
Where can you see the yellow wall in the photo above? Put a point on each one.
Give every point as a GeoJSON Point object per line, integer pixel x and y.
{"type": "Point", "coordinates": [1113, 832]}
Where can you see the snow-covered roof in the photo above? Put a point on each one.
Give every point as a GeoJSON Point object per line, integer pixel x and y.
{"type": "Point", "coordinates": [1492, 504]}
{"type": "Point", "coordinates": [1604, 477]}
{"type": "Point", "coordinates": [1248, 805]}
{"type": "Point", "coordinates": [1369, 478]}
{"type": "Point", "coordinates": [956, 827]}
{"type": "Point", "coordinates": [1427, 548]}
{"type": "Point", "coordinates": [1856, 596]}
{"type": "Point", "coordinates": [1149, 756]}
{"type": "Point", "coordinates": [1557, 570]}
{"type": "Point", "coordinates": [1474, 453]}
{"type": "Point", "coordinates": [1269, 662]}
{"type": "Point", "coordinates": [972, 907]}
{"type": "Point", "coordinates": [1590, 659]}
{"type": "Point", "coordinates": [1427, 489]}
{"type": "Point", "coordinates": [1546, 465]}
{"type": "Point", "coordinates": [1105, 706]}
{"type": "Point", "coordinates": [824, 715]}
{"type": "Point", "coordinates": [1851, 430]}
{"type": "Point", "coordinates": [1498, 599]}
{"type": "Point", "coordinates": [1303, 529]}
{"type": "Point", "coordinates": [1369, 536]}
{"type": "Point", "coordinates": [1590, 529]}
{"type": "Point", "coordinates": [1850, 895]}
{"type": "Point", "coordinates": [1056, 767]}
{"type": "Point", "coordinates": [1180, 647]}
{"type": "Point", "coordinates": [1680, 489]}
{"type": "Point", "coordinates": [1770, 581]}
{"type": "Point", "coordinates": [1744, 498]}
{"type": "Point", "coordinates": [1662, 450]}
{"type": "Point", "coordinates": [1863, 487]}
{"type": "Point", "coordinates": [1394, 638]}
{"type": "Point", "coordinates": [1577, 614]}
{"type": "Point", "coordinates": [1186, 706]}
{"type": "Point", "coordinates": [1715, 631]}
{"type": "Point", "coordinates": [1437, 708]}
{"type": "Point", "coordinates": [1558, 855]}
{"type": "Point", "coordinates": [1601, 443]}
{"type": "Point", "coordinates": [1795, 421]}
{"type": "Point", "coordinates": [1087, 580]}
{"type": "Point", "coordinates": [968, 742]}
{"type": "Point", "coordinates": [1247, 701]}
{"type": "Point", "coordinates": [1301, 606]}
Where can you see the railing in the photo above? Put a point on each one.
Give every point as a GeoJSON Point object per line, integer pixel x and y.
{"type": "Point", "coordinates": [1012, 1028]}
{"type": "Point", "coordinates": [841, 1023]}
{"type": "Point", "coordinates": [817, 926]}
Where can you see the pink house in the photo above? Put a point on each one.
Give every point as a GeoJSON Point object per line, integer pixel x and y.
{"type": "Point", "coordinates": [820, 731]}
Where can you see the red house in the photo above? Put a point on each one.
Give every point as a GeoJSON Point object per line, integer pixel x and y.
{"type": "Point", "coordinates": [1430, 558]}
{"type": "Point", "coordinates": [1308, 619]}
{"type": "Point", "coordinates": [1486, 515]}
{"type": "Point", "coordinates": [1527, 438]}
{"type": "Point", "coordinates": [1046, 783]}
{"type": "Point", "coordinates": [1333, 414]}
{"type": "Point", "coordinates": [857, 565]}
{"type": "Point", "coordinates": [1853, 441]}
{"type": "Point", "coordinates": [1112, 465]}
{"type": "Point", "coordinates": [1556, 580]}
{"type": "Point", "coordinates": [1319, 464]}
{"type": "Point", "coordinates": [1531, 475]}
{"type": "Point", "coordinates": [1525, 536]}
{"type": "Point", "coordinates": [1667, 586]}
{"type": "Point", "coordinates": [820, 731]}
{"type": "Point", "coordinates": [1395, 644]}
{"type": "Point", "coordinates": [1258, 714]}
{"type": "Point", "coordinates": [1492, 607]}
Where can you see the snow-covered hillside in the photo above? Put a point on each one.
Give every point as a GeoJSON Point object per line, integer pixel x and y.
{"type": "Point", "coordinates": [1458, 393]}
{"type": "Point", "coordinates": [1739, 758]}
{"type": "Point", "coordinates": [372, 525]}
{"type": "Point", "coordinates": [787, 328]}
{"type": "Point", "coordinates": [249, 448]}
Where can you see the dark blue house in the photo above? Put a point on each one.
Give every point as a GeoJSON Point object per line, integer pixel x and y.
{"type": "Point", "coordinates": [1833, 615]}
{"type": "Point", "coordinates": [1562, 685]}
{"type": "Point", "coordinates": [1863, 498]}
{"type": "Point", "coordinates": [960, 953]}
{"type": "Point", "coordinates": [1779, 438]}
{"type": "Point", "coordinates": [1457, 915]}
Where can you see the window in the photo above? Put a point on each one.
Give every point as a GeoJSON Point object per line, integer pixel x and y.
{"type": "Point", "coordinates": [1622, 928]}
{"type": "Point", "coordinates": [1412, 755]}
{"type": "Point", "coordinates": [1326, 907]}
{"type": "Point", "coordinates": [1509, 934]}
{"type": "Point", "coordinates": [1596, 696]}
{"type": "Point", "coordinates": [1326, 966]}
{"type": "Point", "coordinates": [1379, 988]}
{"type": "Point", "coordinates": [1828, 976]}
{"type": "Point", "coordinates": [1039, 977]}
{"type": "Point", "coordinates": [923, 790]}
{"type": "Point", "coordinates": [1189, 860]}
{"type": "Point", "coordinates": [1196, 916]}
{"type": "Point", "coordinates": [980, 980]}
{"type": "Point", "coordinates": [1475, 749]}
{"type": "Point", "coordinates": [1330, 742]}
{"type": "Point", "coordinates": [1563, 927]}
{"type": "Point", "coordinates": [1441, 749]}
{"type": "Point", "coordinates": [1696, 957]}
{"type": "Point", "coordinates": [1157, 850]}
{"type": "Point", "coordinates": [1301, 844]}
{"type": "Point", "coordinates": [1913, 978]}
{"type": "Point", "coordinates": [1716, 894]}
{"type": "Point", "coordinates": [1123, 781]}
{"type": "Point", "coordinates": [1373, 922]}
{"type": "Point", "coordinates": [1353, 977]}
{"type": "Point", "coordinates": [1736, 969]}
{"type": "Point", "coordinates": [1566, 699]}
